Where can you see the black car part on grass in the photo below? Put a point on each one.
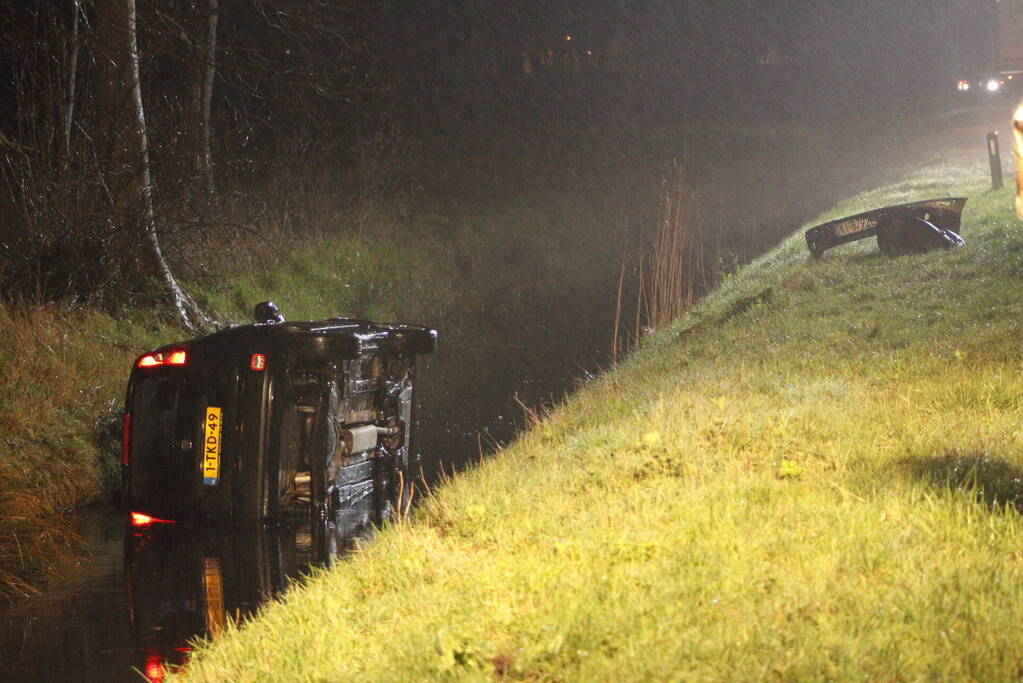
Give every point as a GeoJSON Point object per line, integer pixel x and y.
{"type": "Point", "coordinates": [239, 424]}
{"type": "Point", "coordinates": [900, 229]}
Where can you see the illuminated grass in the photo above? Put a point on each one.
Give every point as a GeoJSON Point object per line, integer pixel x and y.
{"type": "Point", "coordinates": [814, 475]}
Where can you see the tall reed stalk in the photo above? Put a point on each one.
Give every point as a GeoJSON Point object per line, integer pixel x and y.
{"type": "Point", "coordinates": [672, 274]}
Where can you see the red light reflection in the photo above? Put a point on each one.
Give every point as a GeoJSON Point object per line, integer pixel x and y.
{"type": "Point", "coordinates": [154, 668]}
{"type": "Point", "coordinates": [140, 519]}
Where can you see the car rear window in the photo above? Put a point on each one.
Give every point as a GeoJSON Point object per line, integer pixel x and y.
{"type": "Point", "coordinates": [154, 405]}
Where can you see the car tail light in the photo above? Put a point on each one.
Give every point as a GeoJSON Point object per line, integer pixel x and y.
{"type": "Point", "coordinates": [140, 519]}
{"type": "Point", "coordinates": [125, 438]}
{"type": "Point", "coordinates": [157, 359]}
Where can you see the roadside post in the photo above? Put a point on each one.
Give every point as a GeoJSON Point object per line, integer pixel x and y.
{"type": "Point", "coordinates": [995, 157]}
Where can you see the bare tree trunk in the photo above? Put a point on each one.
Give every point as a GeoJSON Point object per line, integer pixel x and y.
{"type": "Point", "coordinates": [122, 145]}
{"type": "Point", "coordinates": [209, 72]}
{"type": "Point", "coordinates": [122, 127]}
{"type": "Point", "coordinates": [72, 76]}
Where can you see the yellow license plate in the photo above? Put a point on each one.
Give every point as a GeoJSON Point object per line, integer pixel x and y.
{"type": "Point", "coordinates": [211, 446]}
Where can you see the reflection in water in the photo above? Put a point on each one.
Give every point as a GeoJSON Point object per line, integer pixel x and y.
{"type": "Point", "coordinates": [141, 593]}
{"type": "Point", "coordinates": [176, 582]}
{"type": "Point", "coordinates": [180, 582]}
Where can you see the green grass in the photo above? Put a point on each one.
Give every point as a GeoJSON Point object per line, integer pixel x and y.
{"type": "Point", "coordinates": [814, 475]}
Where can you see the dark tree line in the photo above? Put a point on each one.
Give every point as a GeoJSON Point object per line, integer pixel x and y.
{"type": "Point", "coordinates": [125, 120]}
{"type": "Point", "coordinates": [820, 58]}
{"type": "Point", "coordinates": [120, 119]}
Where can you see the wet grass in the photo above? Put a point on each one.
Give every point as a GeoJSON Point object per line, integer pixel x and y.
{"type": "Point", "coordinates": [61, 373]}
{"type": "Point", "coordinates": [813, 475]}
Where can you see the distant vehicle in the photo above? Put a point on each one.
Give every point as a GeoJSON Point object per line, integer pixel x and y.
{"type": "Point", "coordinates": [243, 423]}
{"type": "Point", "coordinates": [988, 86]}
{"type": "Point", "coordinates": [1006, 72]}
{"type": "Point", "coordinates": [991, 85]}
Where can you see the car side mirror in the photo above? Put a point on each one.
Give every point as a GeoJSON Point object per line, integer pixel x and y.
{"type": "Point", "coordinates": [267, 312]}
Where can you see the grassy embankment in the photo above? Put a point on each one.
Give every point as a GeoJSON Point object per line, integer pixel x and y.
{"type": "Point", "coordinates": [815, 474]}
{"type": "Point", "coordinates": [488, 253]}
{"type": "Point", "coordinates": [63, 367]}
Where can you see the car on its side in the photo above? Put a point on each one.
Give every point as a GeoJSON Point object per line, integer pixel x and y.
{"type": "Point", "coordinates": [251, 421]}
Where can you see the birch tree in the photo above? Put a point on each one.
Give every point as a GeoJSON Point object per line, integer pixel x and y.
{"type": "Point", "coordinates": [209, 72]}
{"type": "Point", "coordinates": [122, 132]}
{"type": "Point", "coordinates": [205, 72]}
{"type": "Point", "coordinates": [74, 44]}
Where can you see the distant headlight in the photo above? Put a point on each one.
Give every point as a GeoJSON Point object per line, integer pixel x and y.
{"type": "Point", "coordinates": [962, 86]}
{"type": "Point", "coordinates": [993, 85]}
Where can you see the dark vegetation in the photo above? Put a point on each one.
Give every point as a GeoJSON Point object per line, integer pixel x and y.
{"type": "Point", "coordinates": [254, 106]}
{"type": "Point", "coordinates": [229, 94]}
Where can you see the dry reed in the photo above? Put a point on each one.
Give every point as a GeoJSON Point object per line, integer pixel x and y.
{"type": "Point", "coordinates": [673, 273]}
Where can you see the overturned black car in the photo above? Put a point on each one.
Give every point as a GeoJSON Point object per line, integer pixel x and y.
{"type": "Point", "coordinates": [255, 420]}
